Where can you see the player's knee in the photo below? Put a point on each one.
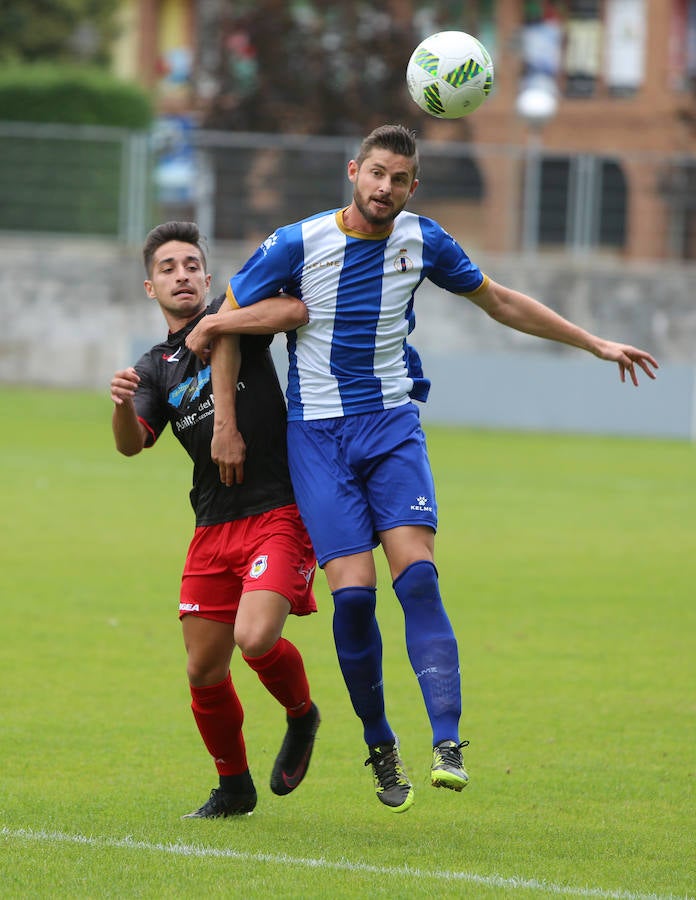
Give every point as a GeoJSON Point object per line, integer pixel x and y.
{"type": "Point", "coordinates": [256, 639]}
{"type": "Point", "coordinates": [204, 672]}
{"type": "Point", "coordinates": [418, 583]}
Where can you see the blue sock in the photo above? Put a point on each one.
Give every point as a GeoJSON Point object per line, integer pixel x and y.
{"type": "Point", "coordinates": [359, 648]}
{"type": "Point", "coordinates": [432, 648]}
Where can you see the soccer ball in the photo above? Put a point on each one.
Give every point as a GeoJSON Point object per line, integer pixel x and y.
{"type": "Point", "coordinates": [449, 74]}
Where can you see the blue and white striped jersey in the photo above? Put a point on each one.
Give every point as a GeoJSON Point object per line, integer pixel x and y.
{"type": "Point", "coordinates": [352, 356]}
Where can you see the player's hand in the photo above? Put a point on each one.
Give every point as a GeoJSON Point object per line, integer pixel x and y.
{"type": "Point", "coordinates": [124, 385]}
{"type": "Point", "coordinates": [228, 452]}
{"type": "Point", "coordinates": [627, 358]}
{"type": "Point", "coordinates": [198, 340]}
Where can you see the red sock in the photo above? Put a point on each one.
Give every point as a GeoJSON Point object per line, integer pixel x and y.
{"type": "Point", "coordinates": [219, 716]}
{"type": "Point", "coordinates": [281, 671]}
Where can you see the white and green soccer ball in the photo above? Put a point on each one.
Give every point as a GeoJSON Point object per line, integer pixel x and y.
{"type": "Point", "coordinates": [450, 74]}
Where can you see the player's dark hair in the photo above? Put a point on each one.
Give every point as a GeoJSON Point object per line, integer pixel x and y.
{"type": "Point", "coordinates": [395, 138]}
{"type": "Point", "coordinates": [186, 232]}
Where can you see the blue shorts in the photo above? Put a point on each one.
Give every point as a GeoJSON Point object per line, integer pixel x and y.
{"type": "Point", "coordinates": [357, 475]}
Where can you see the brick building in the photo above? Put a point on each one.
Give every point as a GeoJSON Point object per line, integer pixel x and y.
{"type": "Point", "coordinates": [625, 76]}
{"type": "Point", "coordinates": [613, 171]}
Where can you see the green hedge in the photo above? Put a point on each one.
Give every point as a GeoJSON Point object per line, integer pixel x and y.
{"type": "Point", "coordinates": [73, 96]}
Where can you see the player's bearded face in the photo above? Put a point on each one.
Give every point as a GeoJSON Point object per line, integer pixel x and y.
{"type": "Point", "coordinates": [382, 187]}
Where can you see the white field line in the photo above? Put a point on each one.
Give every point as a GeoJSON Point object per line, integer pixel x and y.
{"type": "Point", "coordinates": [180, 849]}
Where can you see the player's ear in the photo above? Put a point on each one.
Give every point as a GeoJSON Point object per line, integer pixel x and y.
{"type": "Point", "coordinates": [352, 170]}
{"type": "Point", "coordinates": [149, 290]}
{"type": "Point", "coordinates": [414, 185]}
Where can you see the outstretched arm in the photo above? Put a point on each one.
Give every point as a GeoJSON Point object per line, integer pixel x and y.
{"type": "Point", "coordinates": [517, 310]}
{"type": "Point", "coordinates": [270, 316]}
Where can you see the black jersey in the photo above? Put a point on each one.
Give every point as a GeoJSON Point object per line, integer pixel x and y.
{"type": "Point", "coordinates": [175, 387]}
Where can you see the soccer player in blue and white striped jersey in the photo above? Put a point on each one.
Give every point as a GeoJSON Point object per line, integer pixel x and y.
{"type": "Point", "coordinates": [357, 453]}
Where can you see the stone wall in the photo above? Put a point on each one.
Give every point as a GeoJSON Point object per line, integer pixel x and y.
{"type": "Point", "coordinates": [74, 311]}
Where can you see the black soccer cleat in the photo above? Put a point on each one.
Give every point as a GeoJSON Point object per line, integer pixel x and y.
{"type": "Point", "coordinates": [295, 753]}
{"type": "Point", "coordinates": [222, 804]}
{"type": "Point", "coordinates": [392, 785]}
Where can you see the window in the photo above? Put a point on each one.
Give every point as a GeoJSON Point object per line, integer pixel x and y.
{"type": "Point", "coordinates": [582, 203]}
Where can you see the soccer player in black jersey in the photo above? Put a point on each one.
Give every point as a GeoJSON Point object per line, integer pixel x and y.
{"type": "Point", "coordinates": [250, 562]}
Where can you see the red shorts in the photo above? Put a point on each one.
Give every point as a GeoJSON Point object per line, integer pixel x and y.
{"type": "Point", "coordinates": [267, 552]}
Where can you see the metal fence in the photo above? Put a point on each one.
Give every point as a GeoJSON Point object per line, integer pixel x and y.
{"type": "Point", "coordinates": [112, 182]}
{"type": "Point", "coordinates": [74, 180]}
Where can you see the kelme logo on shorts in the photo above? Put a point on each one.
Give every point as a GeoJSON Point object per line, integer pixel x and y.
{"type": "Point", "coordinates": [258, 567]}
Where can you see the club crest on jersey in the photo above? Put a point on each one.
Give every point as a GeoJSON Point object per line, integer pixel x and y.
{"type": "Point", "coordinates": [259, 566]}
{"type": "Point", "coordinates": [402, 263]}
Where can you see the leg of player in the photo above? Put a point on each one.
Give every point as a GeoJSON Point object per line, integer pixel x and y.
{"type": "Point", "coordinates": [219, 716]}
{"type": "Point", "coordinates": [277, 662]}
{"type": "Point", "coordinates": [431, 645]}
{"type": "Point", "coordinates": [359, 649]}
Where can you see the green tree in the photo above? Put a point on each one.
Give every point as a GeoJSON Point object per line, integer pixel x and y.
{"type": "Point", "coordinates": [57, 30]}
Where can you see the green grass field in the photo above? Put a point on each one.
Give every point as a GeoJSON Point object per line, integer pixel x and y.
{"type": "Point", "coordinates": [568, 566]}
